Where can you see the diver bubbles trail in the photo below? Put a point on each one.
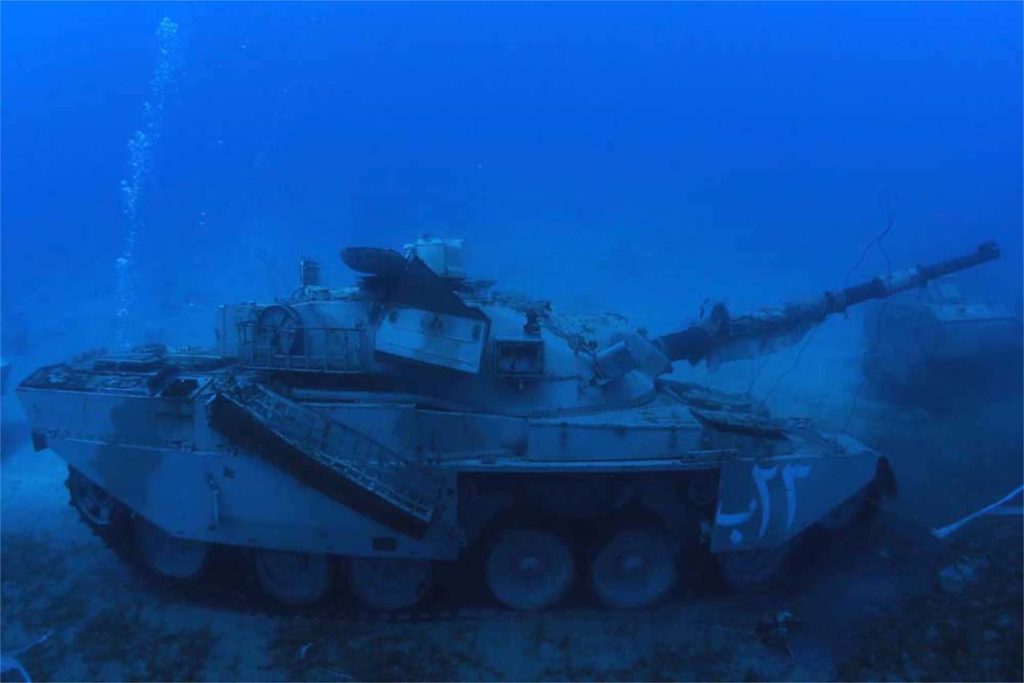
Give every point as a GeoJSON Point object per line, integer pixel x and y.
{"type": "Point", "coordinates": [133, 188]}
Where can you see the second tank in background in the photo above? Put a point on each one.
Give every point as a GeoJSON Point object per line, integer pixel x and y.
{"type": "Point", "coordinates": [940, 344]}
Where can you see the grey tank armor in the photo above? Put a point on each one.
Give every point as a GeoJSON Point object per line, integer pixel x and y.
{"type": "Point", "coordinates": [421, 417]}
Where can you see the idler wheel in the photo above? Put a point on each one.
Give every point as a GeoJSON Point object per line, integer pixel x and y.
{"type": "Point", "coordinates": [390, 584]}
{"type": "Point", "coordinates": [529, 569]}
{"type": "Point", "coordinates": [752, 570]}
{"type": "Point", "coordinates": [634, 568]}
{"type": "Point", "coordinates": [169, 557]}
{"type": "Point", "coordinates": [94, 503]}
{"type": "Point", "coordinates": [293, 578]}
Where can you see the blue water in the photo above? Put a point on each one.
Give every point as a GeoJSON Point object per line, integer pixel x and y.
{"type": "Point", "coordinates": [638, 158]}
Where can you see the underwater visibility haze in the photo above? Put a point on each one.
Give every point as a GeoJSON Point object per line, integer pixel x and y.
{"type": "Point", "coordinates": [667, 341]}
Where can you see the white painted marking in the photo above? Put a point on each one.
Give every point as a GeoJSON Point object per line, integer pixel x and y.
{"type": "Point", "coordinates": [735, 518]}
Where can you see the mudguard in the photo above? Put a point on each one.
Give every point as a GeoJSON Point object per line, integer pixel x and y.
{"type": "Point", "coordinates": [765, 502]}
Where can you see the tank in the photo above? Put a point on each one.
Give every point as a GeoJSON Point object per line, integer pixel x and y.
{"type": "Point", "coordinates": [937, 346]}
{"type": "Point", "coordinates": [421, 420]}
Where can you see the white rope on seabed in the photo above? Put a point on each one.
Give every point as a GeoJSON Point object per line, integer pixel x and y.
{"type": "Point", "coordinates": [993, 509]}
{"type": "Point", "coordinates": [10, 662]}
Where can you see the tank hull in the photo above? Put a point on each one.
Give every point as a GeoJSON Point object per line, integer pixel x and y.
{"type": "Point", "coordinates": [156, 448]}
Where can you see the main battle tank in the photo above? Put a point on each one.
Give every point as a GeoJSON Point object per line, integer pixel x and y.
{"type": "Point", "coordinates": [422, 417]}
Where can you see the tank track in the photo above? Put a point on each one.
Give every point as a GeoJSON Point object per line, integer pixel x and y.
{"type": "Point", "coordinates": [228, 582]}
{"type": "Point", "coordinates": [214, 589]}
{"type": "Point", "coordinates": [117, 535]}
{"type": "Point", "coordinates": [119, 538]}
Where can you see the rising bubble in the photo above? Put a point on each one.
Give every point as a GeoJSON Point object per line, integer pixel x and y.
{"type": "Point", "coordinates": [140, 159]}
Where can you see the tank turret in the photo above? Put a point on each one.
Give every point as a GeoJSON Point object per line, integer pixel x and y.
{"type": "Point", "coordinates": [418, 323]}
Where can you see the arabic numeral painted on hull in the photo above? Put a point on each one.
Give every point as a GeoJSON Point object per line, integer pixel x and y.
{"type": "Point", "coordinates": [762, 476]}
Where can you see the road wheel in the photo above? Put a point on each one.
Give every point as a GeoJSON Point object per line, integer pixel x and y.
{"type": "Point", "coordinates": [529, 569]}
{"type": "Point", "coordinates": [388, 584]}
{"type": "Point", "coordinates": [634, 568]}
{"type": "Point", "coordinates": [169, 557]}
{"type": "Point", "coordinates": [293, 578]}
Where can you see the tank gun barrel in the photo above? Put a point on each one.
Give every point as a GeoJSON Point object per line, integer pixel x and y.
{"type": "Point", "coordinates": [721, 338]}
{"type": "Point", "coordinates": [882, 287]}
